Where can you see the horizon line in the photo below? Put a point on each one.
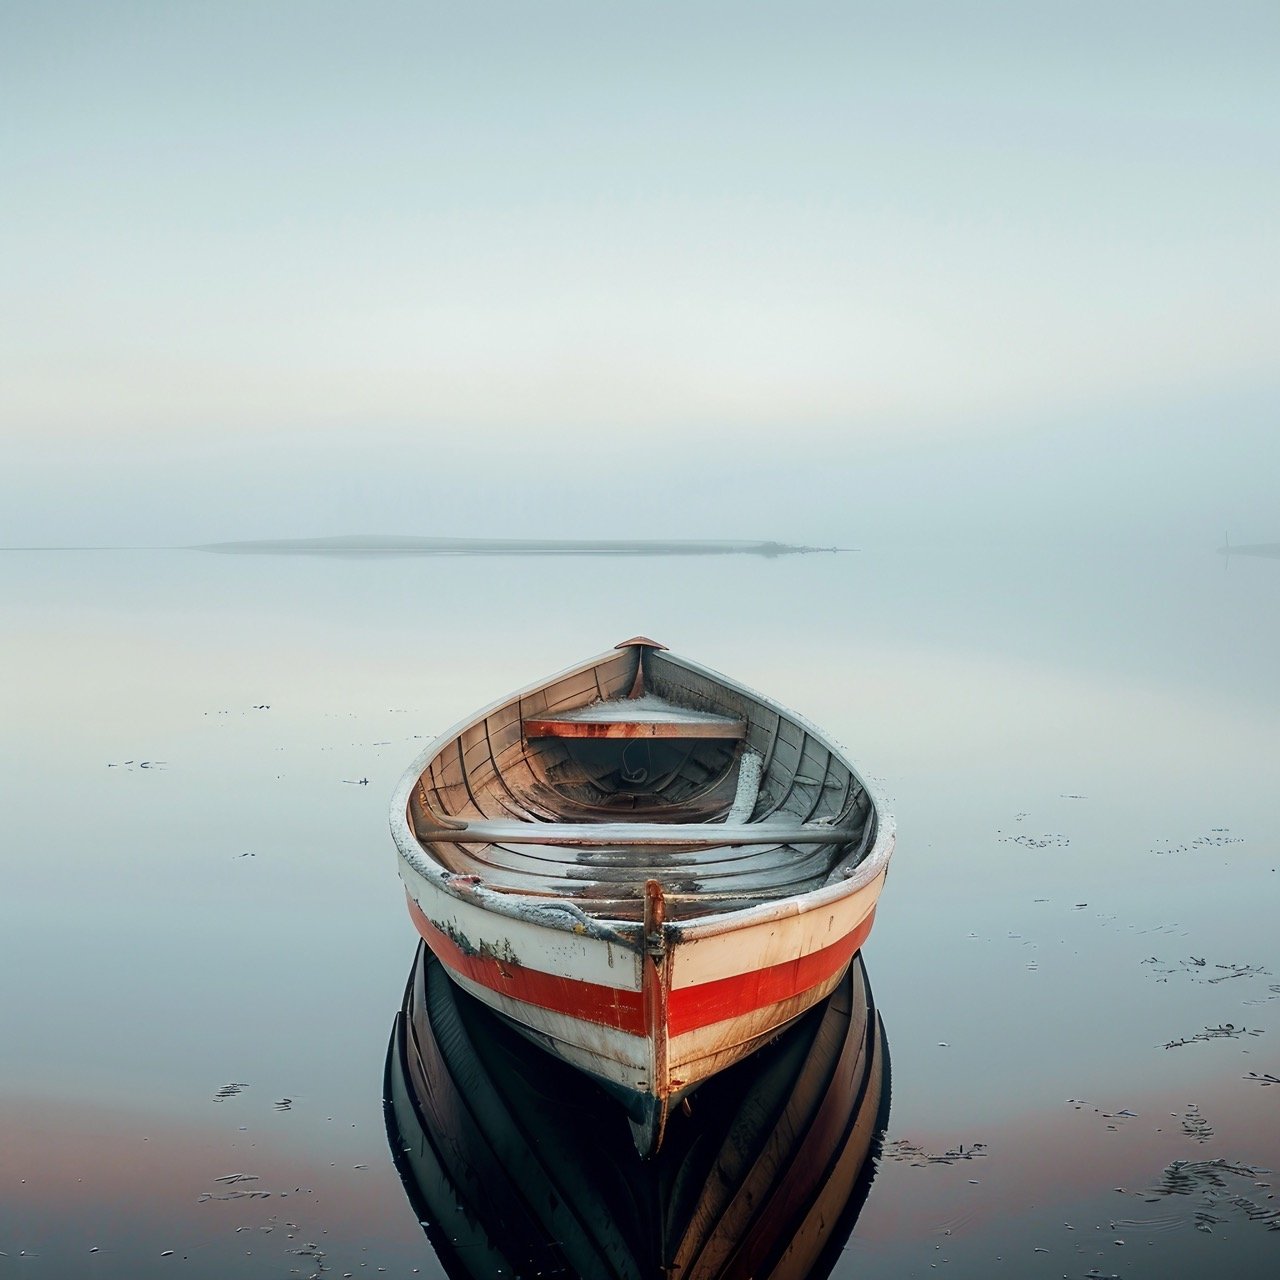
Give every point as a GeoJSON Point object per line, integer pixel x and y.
{"type": "Point", "coordinates": [375, 544]}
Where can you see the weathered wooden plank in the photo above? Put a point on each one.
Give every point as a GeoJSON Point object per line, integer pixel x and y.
{"type": "Point", "coordinates": [476, 754]}
{"type": "Point", "coordinates": [473, 803]}
{"type": "Point", "coordinates": [588, 893]}
{"type": "Point", "coordinates": [782, 766]}
{"type": "Point", "coordinates": [693, 690]}
{"type": "Point", "coordinates": [804, 789]}
{"type": "Point", "coordinates": [631, 834]}
{"type": "Point", "coordinates": [554, 727]}
{"type": "Point", "coordinates": [819, 799]}
{"type": "Point", "coordinates": [762, 736]}
{"type": "Point", "coordinates": [446, 771]}
{"type": "Point", "coordinates": [503, 734]}
{"type": "Point", "coordinates": [772, 877]}
{"type": "Point", "coordinates": [572, 691]}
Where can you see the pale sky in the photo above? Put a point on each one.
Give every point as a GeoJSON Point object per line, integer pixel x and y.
{"type": "Point", "coordinates": [813, 271]}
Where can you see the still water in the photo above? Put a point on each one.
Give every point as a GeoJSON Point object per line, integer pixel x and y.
{"type": "Point", "coordinates": [204, 944]}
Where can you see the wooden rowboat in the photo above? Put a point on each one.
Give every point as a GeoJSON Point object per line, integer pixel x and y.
{"type": "Point", "coordinates": [516, 1166]}
{"type": "Point", "coordinates": [647, 867]}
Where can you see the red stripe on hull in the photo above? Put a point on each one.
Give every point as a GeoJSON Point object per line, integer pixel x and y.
{"type": "Point", "coordinates": [608, 1006]}
{"type": "Point", "coordinates": [688, 1008]}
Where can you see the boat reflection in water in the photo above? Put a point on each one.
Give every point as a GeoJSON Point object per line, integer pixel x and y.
{"type": "Point", "coordinates": [520, 1166]}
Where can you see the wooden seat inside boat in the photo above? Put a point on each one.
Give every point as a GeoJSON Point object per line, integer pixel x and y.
{"type": "Point", "coordinates": [609, 882]}
{"type": "Point", "coordinates": [643, 717]}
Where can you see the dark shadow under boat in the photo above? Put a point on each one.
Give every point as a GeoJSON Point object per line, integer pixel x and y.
{"type": "Point", "coordinates": [518, 1165]}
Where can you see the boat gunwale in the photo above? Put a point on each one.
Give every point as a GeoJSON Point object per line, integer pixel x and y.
{"type": "Point", "coordinates": [566, 915]}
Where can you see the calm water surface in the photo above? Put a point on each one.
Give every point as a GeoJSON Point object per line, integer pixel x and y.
{"type": "Point", "coordinates": [203, 940]}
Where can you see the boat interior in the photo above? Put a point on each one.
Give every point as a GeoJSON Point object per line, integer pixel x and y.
{"type": "Point", "coordinates": [642, 767]}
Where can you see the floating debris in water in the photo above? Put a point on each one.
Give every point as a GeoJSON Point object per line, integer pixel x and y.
{"type": "Point", "coordinates": [1274, 989]}
{"type": "Point", "coordinates": [1194, 1125]}
{"type": "Point", "coordinates": [314, 1252]}
{"type": "Point", "coordinates": [912, 1153]}
{"type": "Point", "coordinates": [1200, 970]}
{"type": "Point", "coordinates": [1215, 838]}
{"type": "Point", "coordinates": [1053, 840]}
{"type": "Point", "coordinates": [1209, 1179]}
{"type": "Point", "coordinates": [1226, 1031]}
{"type": "Point", "coordinates": [1262, 1078]}
{"type": "Point", "coordinates": [1237, 971]}
{"type": "Point", "coordinates": [234, 1190]}
{"type": "Point", "coordinates": [1117, 1117]}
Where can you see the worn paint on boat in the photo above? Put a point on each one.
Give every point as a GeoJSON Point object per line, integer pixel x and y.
{"type": "Point", "coordinates": [646, 866]}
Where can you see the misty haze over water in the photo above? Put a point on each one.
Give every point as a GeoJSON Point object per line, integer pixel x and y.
{"type": "Point", "coordinates": [624, 321]}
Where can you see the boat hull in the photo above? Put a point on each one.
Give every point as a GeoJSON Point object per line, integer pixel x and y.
{"type": "Point", "coordinates": [649, 918]}
{"type": "Point", "coordinates": [650, 1020]}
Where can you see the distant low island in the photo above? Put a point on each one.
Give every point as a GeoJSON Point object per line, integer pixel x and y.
{"type": "Point", "coordinates": [1268, 550]}
{"type": "Point", "coordinates": [388, 545]}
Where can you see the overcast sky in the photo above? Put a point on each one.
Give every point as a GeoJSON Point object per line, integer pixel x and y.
{"type": "Point", "coordinates": [813, 271]}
